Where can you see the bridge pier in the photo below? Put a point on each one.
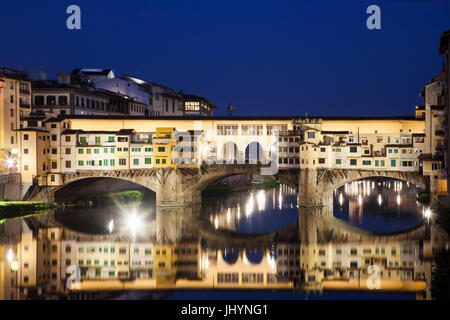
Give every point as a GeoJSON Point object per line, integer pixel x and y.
{"type": "Point", "coordinates": [311, 192]}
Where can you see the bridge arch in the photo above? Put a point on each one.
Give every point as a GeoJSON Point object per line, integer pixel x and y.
{"type": "Point", "coordinates": [84, 186]}
{"type": "Point", "coordinates": [316, 186]}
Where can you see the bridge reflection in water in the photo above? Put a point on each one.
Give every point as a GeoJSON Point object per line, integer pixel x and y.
{"type": "Point", "coordinates": [185, 248]}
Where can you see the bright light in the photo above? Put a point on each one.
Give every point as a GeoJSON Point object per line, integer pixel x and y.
{"type": "Point", "coordinates": [134, 223]}
{"type": "Point", "coordinates": [249, 206]}
{"type": "Point", "coordinates": [399, 200]}
{"type": "Point", "coordinates": [14, 265]}
{"type": "Point", "coordinates": [111, 226]}
{"type": "Point", "coordinates": [379, 200]}
{"type": "Point", "coordinates": [9, 256]}
{"type": "Point", "coordinates": [270, 260]}
{"type": "Point", "coordinates": [10, 162]}
{"type": "Point", "coordinates": [14, 151]}
{"type": "Point", "coordinates": [206, 263]}
{"type": "Point", "coordinates": [261, 200]}
{"type": "Point", "coordinates": [341, 199]}
{"type": "Point", "coordinates": [359, 200]}
{"type": "Point", "coordinates": [427, 213]}
{"type": "Point", "coordinates": [216, 222]}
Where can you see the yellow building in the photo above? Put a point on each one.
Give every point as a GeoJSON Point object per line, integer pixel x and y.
{"type": "Point", "coordinates": [163, 144]}
{"type": "Point", "coordinates": [15, 99]}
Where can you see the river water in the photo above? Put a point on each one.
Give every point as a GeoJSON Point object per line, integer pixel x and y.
{"type": "Point", "coordinates": [244, 240]}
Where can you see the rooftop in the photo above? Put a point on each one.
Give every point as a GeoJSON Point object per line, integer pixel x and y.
{"type": "Point", "coordinates": [237, 118]}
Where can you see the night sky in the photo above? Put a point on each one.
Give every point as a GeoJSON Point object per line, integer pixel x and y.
{"type": "Point", "coordinates": [265, 57]}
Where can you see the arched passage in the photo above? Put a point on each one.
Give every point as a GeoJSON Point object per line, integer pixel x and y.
{"type": "Point", "coordinates": [254, 153]}
{"type": "Point", "coordinates": [230, 152]}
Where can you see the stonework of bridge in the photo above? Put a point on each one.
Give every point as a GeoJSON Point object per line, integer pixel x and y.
{"type": "Point", "coordinates": [173, 187]}
{"type": "Point", "coordinates": [184, 185]}
{"type": "Point", "coordinates": [316, 186]}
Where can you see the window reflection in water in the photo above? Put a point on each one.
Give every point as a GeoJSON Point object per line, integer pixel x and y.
{"type": "Point", "coordinates": [178, 250]}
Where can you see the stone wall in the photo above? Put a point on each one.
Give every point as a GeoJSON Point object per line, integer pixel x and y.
{"type": "Point", "coordinates": [10, 186]}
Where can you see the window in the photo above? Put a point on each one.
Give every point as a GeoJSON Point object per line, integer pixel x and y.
{"type": "Point", "coordinates": [321, 160]}
{"type": "Point", "coordinates": [148, 160]}
{"type": "Point", "coordinates": [39, 100]}
{"type": "Point", "coordinates": [377, 163]}
{"type": "Point", "coordinates": [80, 151]}
{"type": "Point", "coordinates": [51, 100]}
{"type": "Point", "coordinates": [68, 151]}
{"type": "Point", "coordinates": [83, 139]}
{"type": "Point", "coordinates": [68, 164]}
{"type": "Point", "coordinates": [161, 149]}
{"type": "Point", "coordinates": [136, 162]}
{"type": "Point", "coordinates": [80, 163]}
{"type": "Point", "coordinates": [392, 163]}
{"type": "Point", "coordinates": [88, 151]}
{"type": "Point", "coordinates": [366, 162]}
{"type": "Point", "coordinates": [122, 162]}
{"type": "Point", "coordinates": [96, 151]}
{"type": "Point", "coordinates": [112, 162]}
{"type": "Point", "coordinates": [25, 137]}
{"type": "Point", "coordinates": [62, 100]}
{"type": "Point", "coordinates": [353, 149]}
{"type": "Point", "coordinates": [353, 162]}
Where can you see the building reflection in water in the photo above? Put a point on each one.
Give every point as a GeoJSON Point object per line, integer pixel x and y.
{"type": "Point", "coordinates": [181, 249]}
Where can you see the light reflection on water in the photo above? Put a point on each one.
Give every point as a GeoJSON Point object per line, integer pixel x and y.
{"type": "Point", "coordinates": [254, 211]}
{"type": "Point", "coordinates": [378, 205]}
{"type": "Point", "coordinates": [373, 204]}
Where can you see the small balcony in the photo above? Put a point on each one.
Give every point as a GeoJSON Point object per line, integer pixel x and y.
{"type": "Point", "coordinates": [379, 154]}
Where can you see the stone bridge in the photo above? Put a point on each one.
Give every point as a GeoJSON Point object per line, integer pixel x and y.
{"type": "Point", "coordinates": [173, 187]}
{"type": "Point", "coordinates": [184, 185]}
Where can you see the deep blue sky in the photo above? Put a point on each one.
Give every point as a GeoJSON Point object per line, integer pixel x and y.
{"type": "Point", "coordinates": [265, 57]}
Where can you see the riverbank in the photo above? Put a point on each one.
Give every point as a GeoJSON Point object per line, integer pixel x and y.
{"type": "Point", "coordinates": [21, 209]}
{"type": "Point", "coordinates": [218, 190]}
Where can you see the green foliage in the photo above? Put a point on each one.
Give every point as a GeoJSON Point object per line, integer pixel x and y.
{"type": "Point", "coordinates": [440, 280]}
{"type": "Point", "coordinates": [204, 169]}
{"type": "Point", "coordinates": [16, 209]}
{"type": "Point", "coordinates": [424, 197]}
{"type": "Point", "coordinates": [112, 199]}
{"type": "Point", "coordinates": [270, 183]}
